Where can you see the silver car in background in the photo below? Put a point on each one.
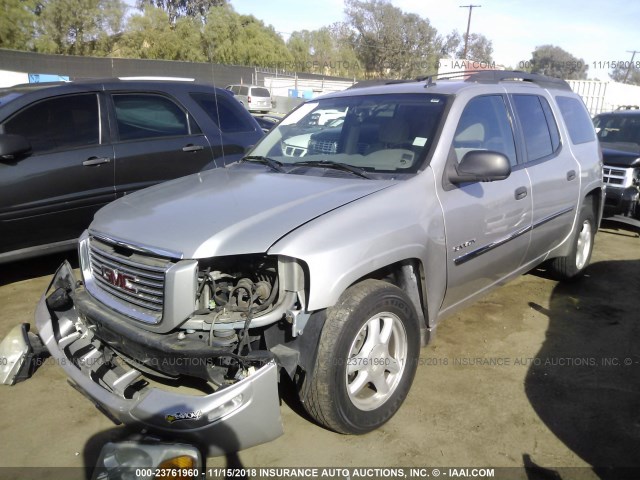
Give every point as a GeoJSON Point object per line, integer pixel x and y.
{"type": "Point", "coordinates": [253, 97]}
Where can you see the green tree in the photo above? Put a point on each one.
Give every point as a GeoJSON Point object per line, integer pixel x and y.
{"type": "Point", "coordinates": [479, 49]}
{"type": "Point", "coordinates": [151, 36]}
{"type": "Point", "coordinates": [78, 27]}
{"type": "Point", "coordinates": [556, 62]}
{"type": "Point", "coordinates": [235, 39]}
{"type": "Point", "coordinates": [182, 8]}
{"type": "Point", "coordinates": [619, 74]}
{"type": "Point", "coordinates": [17, 28]}
{"type": "Point", "coordinates": [389, 42]}
{"type": "Point", "coordinates": [326, 51]}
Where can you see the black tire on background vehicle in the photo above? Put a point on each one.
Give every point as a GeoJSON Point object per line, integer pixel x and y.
{"type": "Point", "coordinates": [367, 358]}
{"type": "Point", "coordinates": [573, 265]}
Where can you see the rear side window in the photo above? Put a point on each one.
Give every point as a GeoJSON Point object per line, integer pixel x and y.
{"type": "Point", "coordinates": [577, 120]}
{"type": "Point", "coordinates": [540, 132]}
{"type": "Point", "coordinates": [140, 116]}
{"type": "Point", "coordinates": [243, 90]}
{"type": "Point", "coordinates": [60, 123]}
{"type": "Point", "coordinates": [225, 112]}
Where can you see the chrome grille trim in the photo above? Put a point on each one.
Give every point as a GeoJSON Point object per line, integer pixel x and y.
{"type": "Point", "coordinates": [614, 176]}
{"type": "Point", "coordinates": [138, 289]}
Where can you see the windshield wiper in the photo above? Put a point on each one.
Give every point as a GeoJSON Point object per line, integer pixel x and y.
{"type": "Point", "coordinates": [274, 164]}
{"type": "Point", "coordinates": [336, 165]}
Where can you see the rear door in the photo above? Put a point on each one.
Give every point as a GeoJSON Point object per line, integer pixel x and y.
{"type": "Point", "coordinates": [155, 139]}
{"type": "Point", "coordinates": [50, 195]}
{"type": "Point", "coordinates": [554, 174]}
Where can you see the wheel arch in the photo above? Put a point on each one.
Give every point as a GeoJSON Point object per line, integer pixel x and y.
{"type": "Point", "coordinates": [409, 276]}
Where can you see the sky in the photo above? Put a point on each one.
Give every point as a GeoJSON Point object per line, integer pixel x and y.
{"type": "Point", "coordinates": [601, 32]}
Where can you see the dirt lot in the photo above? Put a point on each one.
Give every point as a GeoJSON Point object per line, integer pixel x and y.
{"type": "Point", "coordinates": [538, 373]}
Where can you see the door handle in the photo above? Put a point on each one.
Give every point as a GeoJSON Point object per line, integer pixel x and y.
{"type": "Point", "coordinates": [192, 148]}
{"type": "Point", "coordinates": [571, 174]}
{"type": "Point", "coordinates": [90, 162]}
{"type": "Point", "coordinates": [521, 193]}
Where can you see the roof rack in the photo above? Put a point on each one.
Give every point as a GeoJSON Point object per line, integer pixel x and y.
{"type": "Point", "coordinates": [495, 76]}
{"type": "Point", "coordinates": [628, 107]}
{"type": "Point", "coordinates": [477, 76]}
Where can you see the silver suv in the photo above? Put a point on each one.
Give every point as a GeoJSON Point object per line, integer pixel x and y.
{"type": "Point", "coordinates": [331, 268]}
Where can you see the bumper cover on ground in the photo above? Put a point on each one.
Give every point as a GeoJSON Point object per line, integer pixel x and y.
{"type": "Point", "coordinates": [233, 418]}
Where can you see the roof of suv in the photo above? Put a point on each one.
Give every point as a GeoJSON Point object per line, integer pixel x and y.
{"type": "Point", "coordinates": [9, 94]}
{"type": "Point", "coordinates": [456, 81]}
{"type": "Point", "coordinates": [626, 112]}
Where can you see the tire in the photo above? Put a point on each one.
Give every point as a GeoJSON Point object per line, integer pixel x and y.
{"type": "Point", "coordinates": [573, 265]}
{"type": "Point", "coordinates": [367, 358]}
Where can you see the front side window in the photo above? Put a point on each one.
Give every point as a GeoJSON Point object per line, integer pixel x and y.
{"type": "Point", "coordinates": [484, 125]}
{"type": "Point", "coordinates": [385, 133]}
{"type": "Point", "coordinates": [538, 137]}
{"type": "Point", "coordinates": [60, 123]}
{"type": "Point", "coordinates": [140, 116]}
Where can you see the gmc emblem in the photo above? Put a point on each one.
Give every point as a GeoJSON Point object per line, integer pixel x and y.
{"type": "Point", "coordinates": [119, 280]}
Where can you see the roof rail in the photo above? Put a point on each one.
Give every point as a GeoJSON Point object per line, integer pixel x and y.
{"type": "Point", "coordinates": [495, 76]}
{"type": "Point", "coordinates": [378, 82]}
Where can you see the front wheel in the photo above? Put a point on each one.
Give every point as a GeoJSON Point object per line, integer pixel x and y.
{"type": "Point", "coordinates": [367, 358]}
{"type": "Point", "coordinates": [573, 265]}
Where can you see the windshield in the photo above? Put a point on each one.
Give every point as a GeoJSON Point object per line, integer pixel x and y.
{"type": "Point", "coordinates": [618, 128]}
{"type": "Point", "coordinates": [378, 133]}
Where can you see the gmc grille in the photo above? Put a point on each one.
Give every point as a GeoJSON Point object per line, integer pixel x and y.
{"type": "Point", "coordinates": [135, 280]}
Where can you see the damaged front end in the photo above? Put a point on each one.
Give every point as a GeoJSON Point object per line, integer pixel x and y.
{"type": "Point", "coordinates": [132, 373]}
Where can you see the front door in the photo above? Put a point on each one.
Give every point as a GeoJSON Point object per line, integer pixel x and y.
{"type": "Point", "coordinates": [486, 222]}
{"type": "Point", "coordinates": [50, 195]}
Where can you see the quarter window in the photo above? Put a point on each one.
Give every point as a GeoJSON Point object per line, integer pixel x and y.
{"type": "Point", "coordinates": [485, 125]}
{"type": "Point", "coordinates": [148, 116]}
{"type": "Point", "coordinates": [59, 123]}
{"type": "Point", "coordinates": [577, 120]}
{"type": "Point", "coordinates": [225, 112]}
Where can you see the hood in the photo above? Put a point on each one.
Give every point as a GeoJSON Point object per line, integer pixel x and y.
{"type": "Point", "coordinates": [226, 211]}
{"type": "Point", "coordinates": [621, 155]}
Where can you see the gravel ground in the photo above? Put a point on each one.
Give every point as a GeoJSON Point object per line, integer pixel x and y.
{"type": "Point", "coordinates": [537, 373]}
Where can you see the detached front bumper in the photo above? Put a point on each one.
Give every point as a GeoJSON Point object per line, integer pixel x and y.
{"type": "Point", "coordinates": [232, 418]}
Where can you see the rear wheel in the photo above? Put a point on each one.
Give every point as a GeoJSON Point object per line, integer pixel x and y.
{"type": "Point", "coordinates": [573, 265]}
{"type": "Point", "coordinates": [367, 358]}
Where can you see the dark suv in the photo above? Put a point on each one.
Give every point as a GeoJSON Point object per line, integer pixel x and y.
{"type": "Point", "coordinates": [67, 149]}
{"type": "Point", "coordinates": [619, 135]}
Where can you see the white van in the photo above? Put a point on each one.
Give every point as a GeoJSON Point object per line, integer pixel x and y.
{"type": "Point", "coordinates": [253, 97]}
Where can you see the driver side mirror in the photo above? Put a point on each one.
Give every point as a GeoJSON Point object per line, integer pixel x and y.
{"type": "Point", "coordinates": [13, 147]}
{"type": "Point", "coordinates": [480, 166]}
